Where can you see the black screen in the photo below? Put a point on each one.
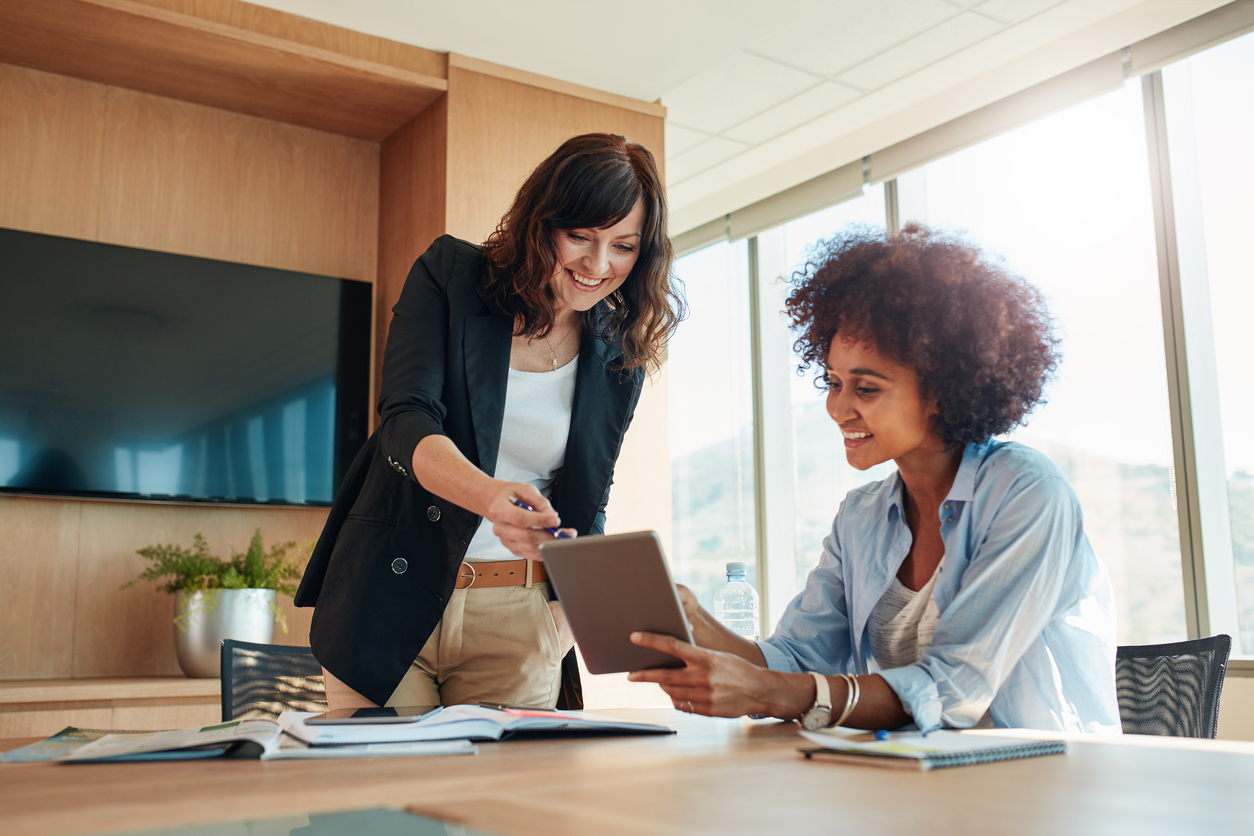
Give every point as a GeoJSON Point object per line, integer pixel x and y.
{"type": "Point", "coordinates": [139, 374]}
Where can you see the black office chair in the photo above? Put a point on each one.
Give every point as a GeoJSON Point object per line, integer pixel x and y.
{"type": "Point", "coordinates": [1172, 689]}
{"type": "Point", "coordinates": [264, 680]}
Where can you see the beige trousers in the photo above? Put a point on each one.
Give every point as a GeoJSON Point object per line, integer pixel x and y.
{"type": "Point", "coordinates": [494, 645]}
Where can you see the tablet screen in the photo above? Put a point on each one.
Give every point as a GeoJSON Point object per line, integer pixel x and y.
{"type": "Point", "coordinates": [370, 716]}
{"type": "Point", "coordinates": [610, 586]}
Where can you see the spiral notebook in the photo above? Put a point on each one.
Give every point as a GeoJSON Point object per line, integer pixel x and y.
{"type": "Point", "coordinates": [918, 752]}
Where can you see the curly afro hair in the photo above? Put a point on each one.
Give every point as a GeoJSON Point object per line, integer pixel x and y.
{"type": "Point", "coordinates": [979, 338]}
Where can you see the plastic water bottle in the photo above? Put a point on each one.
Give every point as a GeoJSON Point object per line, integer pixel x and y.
{"type": "Point", "coordinates": [736, 603]}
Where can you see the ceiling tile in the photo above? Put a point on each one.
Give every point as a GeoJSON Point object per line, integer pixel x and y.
{"type": "Point", "coordinates": [830, 36]}
{"type": "Point", "coordinates": [945, 39]}
{"type": "Point", "coordinates": [732, 91]}
{"type": "Point", "coordinates": [679, 139]}
{"type": "Point", "coordinates": [707, 154]}
{"type": "Point", "coordinates": [1013, 11]}
{"type": "Point", "coordinates": [639, 51]}
{"type": "Point", "coordinates": [798, 110]}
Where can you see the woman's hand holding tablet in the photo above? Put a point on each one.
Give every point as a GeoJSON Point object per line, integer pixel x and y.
{"type": "Point", "coordinates": [718, 683]}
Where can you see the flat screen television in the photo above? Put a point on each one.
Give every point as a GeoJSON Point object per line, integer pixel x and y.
{"type": "Point", "coordinates": [133, 374]}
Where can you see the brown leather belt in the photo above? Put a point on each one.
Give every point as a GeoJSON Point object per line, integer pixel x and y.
{"type": "Point", "coordinates": [500, 573]}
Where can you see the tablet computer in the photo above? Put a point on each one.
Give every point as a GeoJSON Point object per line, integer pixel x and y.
{"type": "Point", "coordinates": [611, 585]}
{"type": "Point", "coordinates": [370, 716]}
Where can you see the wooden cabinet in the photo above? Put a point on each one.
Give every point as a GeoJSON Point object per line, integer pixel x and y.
{"type": "Point", "coordinates": [39, 707]}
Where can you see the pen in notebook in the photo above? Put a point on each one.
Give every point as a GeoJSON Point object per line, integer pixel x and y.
{"type": "Point", "coordinates": [556, 532]}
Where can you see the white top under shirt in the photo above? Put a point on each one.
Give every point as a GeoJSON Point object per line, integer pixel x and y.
{"type": "Point", "coordinates": [533, 442]}
{"type": "Point", "coordinates": [903, 622]}
{"type": "Point", "coordinates": [902, 625]}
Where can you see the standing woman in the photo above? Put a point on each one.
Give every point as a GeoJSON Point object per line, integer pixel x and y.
{"type": "Point", "coordinates": [512, 371]}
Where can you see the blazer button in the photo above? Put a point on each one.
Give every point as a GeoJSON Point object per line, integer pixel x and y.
{"type": "Point", "coordinates": [400, 565]}
{"type": "Point", "coordinates": [433, 514]}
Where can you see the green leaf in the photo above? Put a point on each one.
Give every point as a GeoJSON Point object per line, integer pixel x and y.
{"type": "Point", "coordinates": [187, 570]}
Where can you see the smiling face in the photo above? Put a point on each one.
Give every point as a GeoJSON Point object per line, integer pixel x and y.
{"type": "Point", "coordinates": [593, 263]}
{"type": "Point", "coordinates": [878, 405]}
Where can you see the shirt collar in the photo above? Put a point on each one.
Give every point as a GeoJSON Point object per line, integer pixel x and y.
{"type": "Point", "coordinates": [894, 498]}
{"type": "Point", "coordinates": [962, 490]}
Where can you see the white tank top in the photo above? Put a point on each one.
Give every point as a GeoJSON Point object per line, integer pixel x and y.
{"type": "Point", "coordinates": [902, 625]}
{"type": "Point", "coordinates": [903, 622]}
{"type": "Point", "coordinates": [533, 441]}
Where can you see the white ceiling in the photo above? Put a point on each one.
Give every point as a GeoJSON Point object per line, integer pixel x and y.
{"type": "Point", "coordinates": [764, 95]}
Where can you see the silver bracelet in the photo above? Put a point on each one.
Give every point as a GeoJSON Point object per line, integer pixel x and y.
{"type": "Point", "coordinates": [853, 691]}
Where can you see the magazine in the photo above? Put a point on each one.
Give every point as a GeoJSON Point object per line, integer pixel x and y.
{"type": "Point", "coordinates": [263, 739]}
{"type": "Point", "coordinates": [61, 743]}
{"type": "Point", "coordinates": [472, 722]}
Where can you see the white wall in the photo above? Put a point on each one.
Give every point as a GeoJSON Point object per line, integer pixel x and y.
{"type": "Point", "coordinates": [1236, 708]}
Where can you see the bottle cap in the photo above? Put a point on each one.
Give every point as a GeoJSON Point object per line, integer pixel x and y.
{"type": "Point", "coordinates": [737, 568]}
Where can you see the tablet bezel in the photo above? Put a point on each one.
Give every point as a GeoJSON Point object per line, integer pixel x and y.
{"type": "Point", "coordinates": [611, 585]}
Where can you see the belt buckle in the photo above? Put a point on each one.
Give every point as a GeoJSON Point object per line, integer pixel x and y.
{"type": "Point", "coordinates": [466, 573]}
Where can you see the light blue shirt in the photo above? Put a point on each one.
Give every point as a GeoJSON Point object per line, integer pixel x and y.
{"type": "Point", "coordinates": [1027, 617]}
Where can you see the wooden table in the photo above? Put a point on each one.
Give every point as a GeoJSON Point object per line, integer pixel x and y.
{"type": "Point", "coordinates": [715, 776]}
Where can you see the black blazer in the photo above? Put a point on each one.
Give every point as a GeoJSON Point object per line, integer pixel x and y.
{"type": "Point", "coordinates": [445, 372]}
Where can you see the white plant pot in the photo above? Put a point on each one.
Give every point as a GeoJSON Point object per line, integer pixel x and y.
{"type": "Point", "coordinates": [203, 619]}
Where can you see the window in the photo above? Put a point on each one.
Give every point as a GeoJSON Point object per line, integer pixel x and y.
{"type": "Point", "coordinates": [711, 421]}
{"type": "Point", "coordinates": [1132, 212]}
{"type": "Point", "coordinates": [1066, 202]}
{"type": "Point", "coordinates": [799, 512]}
{"type": "Point", "coordinates": [1210, 128]}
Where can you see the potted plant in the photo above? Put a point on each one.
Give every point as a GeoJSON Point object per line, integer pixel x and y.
{"type": "Point", "coordinates": [216, 599]}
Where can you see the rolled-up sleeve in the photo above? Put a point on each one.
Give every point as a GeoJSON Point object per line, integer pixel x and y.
{"type": "Point", "coordinates": [813, 634]}
{"type": "Point", "coordinates": [410, 408]}
{"type": "Point", "coordinates": [1009, 592]}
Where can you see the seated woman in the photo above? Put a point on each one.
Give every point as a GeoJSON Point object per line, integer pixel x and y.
{"type": "Point", "coordinates": [961, 590]}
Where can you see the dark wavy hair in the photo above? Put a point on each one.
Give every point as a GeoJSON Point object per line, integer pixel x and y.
{"type": "Point", "coordinates": [979, 338]}
{"type": "Point", "coordinates": [590, 182]}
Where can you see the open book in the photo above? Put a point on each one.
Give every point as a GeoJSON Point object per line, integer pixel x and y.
{"type": "Point", "coordinates": [472, 722]}
{"type": "Point", "coordinates": [916, 751]}
{"type": "Point", "coordinates": [264, 739]}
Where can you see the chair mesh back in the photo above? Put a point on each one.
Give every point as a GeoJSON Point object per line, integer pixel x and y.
{"type": "Point", "coordinates": [264, 680]}
{"type": "Point", "coordinates": [1172, 689]}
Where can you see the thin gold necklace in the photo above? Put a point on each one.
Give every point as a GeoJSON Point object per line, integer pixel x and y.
{"type": "Point", "coordinates": [553, 353]}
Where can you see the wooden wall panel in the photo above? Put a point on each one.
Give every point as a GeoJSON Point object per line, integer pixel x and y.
{"type": "Point", "coordinates": [412, 183]}
{"type": "Point", "coordinates": [51, 141]}
{"type": "Point", "coordinates": [129, 632]}
{"type": "Point", "coordinates": [499, 130]}
{"type": "Point", "coordinates": [311, 33]}
{"type": "Point", "coordinates": [196, 180]}
{"type": "Point", "coordinates": [26, 721]}
{"type": "Point", "coordinates": [38, 564]}
{"type": "Point", "coordinates": [159, 714]}
{"type": "Point", "coordinates": [102, 163]}
{"type": "Point", "coordinates": [42, 720]}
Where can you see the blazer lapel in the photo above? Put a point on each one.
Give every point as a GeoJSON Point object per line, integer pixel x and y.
{"type": "Point", "coordinates": [597, 416]}
{"type": "Point", "coordinates": [486, 349]}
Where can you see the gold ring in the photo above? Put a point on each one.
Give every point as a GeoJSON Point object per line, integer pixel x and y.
{"type": "Point", "coordinates": [686, 706]}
